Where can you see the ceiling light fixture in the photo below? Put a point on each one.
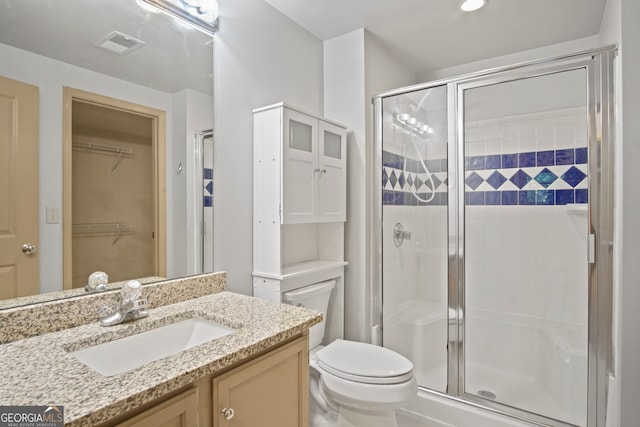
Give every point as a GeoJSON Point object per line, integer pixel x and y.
{"type": "Point", "coordinates": [412, 124]}
{"type": "Point", "coordinates": [200, 14]}
{"type": "Point", "coordinates": [471, 5]}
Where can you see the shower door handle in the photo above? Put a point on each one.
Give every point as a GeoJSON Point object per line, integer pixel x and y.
{"type": "Point", "coordinates": [591, 248]}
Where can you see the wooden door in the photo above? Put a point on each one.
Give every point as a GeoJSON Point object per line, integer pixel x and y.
{"type": "Point", "coordinates": [19, 139]}
{"type": "Point", "coordinates": [271, 391]}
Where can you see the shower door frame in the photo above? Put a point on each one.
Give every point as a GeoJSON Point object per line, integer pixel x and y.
{"type": "Point", "coordinates": [598, 66]}
{"type": "Point", "coordinates": [196, 184]}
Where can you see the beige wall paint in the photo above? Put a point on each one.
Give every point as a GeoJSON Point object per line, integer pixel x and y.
{"type": "Point", "coordinates": [124, 195]}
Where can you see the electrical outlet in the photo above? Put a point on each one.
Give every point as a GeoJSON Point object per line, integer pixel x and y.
{"type": "Point", "coordinates": [53, 216]}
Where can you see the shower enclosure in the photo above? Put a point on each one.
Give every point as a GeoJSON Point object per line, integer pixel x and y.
{"type": "Point", "coordinates": [201, 186]}
{"type": "Point", "coordinates": [493, 230]}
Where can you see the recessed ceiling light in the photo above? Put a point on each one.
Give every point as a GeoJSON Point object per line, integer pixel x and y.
{"type": "Point", "coordinates": [471, 5]}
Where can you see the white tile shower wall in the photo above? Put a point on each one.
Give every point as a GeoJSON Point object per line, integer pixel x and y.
{"type": "Point", "coordinates": [527, 259]}
{"type": "Point", "coordinates": [542, 131]}
{"type": "Point", "coordinates": [418, 268]}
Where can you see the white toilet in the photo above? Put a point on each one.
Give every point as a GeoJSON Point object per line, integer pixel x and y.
{"type": "Point", "coordinates": [352, 384]}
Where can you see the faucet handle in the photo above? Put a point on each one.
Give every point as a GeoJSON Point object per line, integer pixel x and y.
{"type": "Point", "coordinates": [98, 281]}
{"type": "Point", "coordinates": [131, 291]}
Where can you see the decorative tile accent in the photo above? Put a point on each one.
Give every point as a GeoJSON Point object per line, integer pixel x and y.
{"type": "Point", "coordinates": [546, 177]}
{"type": "Point", "coordinates": [474, 180]}
{"type": "Point", "coordinates": [550, 177]}
{"type": "Point", "coordinates": [573, 176]}
{"type": "Point", "coordinates": [520, 178]}
{"type": "Point", "coordinates": [565, 157]}
{"type": "Point", "coordinates": [509, 161]}
{"type": "Point", "coordinates": [393, 179]}
{"type": "Point", "coordinates": [496, 179]}
{"type": "Point", "coordinates": [401, 180]}
{"type": "Point", "coordinates": [207, 178]}
{"type": "Point", "coordinates": [545, 158]}
{"type": "Point", "coordinates": [526, 160]}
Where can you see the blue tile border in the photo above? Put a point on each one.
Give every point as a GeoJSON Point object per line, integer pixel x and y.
{"type": "Point", "coordinates": [413, 176]}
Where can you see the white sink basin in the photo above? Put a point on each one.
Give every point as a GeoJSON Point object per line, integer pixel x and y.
{"type": "Point", "coordinates": [125, 354]}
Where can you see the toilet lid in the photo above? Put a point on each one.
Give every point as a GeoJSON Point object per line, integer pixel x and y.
{"type": "Point", "coordinates": [366, 363]}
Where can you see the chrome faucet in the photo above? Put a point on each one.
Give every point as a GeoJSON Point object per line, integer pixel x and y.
{"type": "Point", "coordinates": [131, 307]}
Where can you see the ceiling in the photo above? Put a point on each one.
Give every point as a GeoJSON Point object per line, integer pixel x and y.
{"type": "Point", "coordinates": [175, 56]}
{"type": "Point", "coordinates": [432, 34]}
{"type": "Point", "coordinates": [424, 34]}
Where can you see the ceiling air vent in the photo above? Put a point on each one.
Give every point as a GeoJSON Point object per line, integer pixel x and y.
{"type": "Point", "coordinates": [119, 43]}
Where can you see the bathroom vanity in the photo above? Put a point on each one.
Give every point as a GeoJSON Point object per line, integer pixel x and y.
{"type": "Point", "coordinates": [270, 390]}
{"type": "Point", "coordinates": [255, 375]}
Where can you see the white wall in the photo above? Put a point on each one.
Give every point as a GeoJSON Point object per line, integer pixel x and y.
{"type": "Point", "coordinates": [260, 58]}
{"type": "Point", "coordinates": [610, 33]}
{"type": "Point", "coordinates": [344, 97]}
{"type": "Point", "coordinates": [356, 67]}
{"type": "Point", "coordinates": [51, 76]}
{"type": "Point", "coordinates": [630, 135]}
{"type": "Point", "coordinates": [196, 115]}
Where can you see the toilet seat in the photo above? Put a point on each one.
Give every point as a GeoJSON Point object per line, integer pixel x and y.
{"type": "Point", "coordinates": [363, 396]}
{"type": "Point", "coordinates": [364, 363]}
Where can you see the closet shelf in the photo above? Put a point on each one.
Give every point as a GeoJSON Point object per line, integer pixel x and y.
{"type": "Point", "coordinates": [120, 151]}
{"type": "Point", "coordinates": [100, 147]}
{"type": "Point", "coordinates": [117, 229]}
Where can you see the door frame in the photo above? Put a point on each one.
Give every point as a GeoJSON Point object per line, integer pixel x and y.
{"type": "Point", "coordinates": [158, 142]}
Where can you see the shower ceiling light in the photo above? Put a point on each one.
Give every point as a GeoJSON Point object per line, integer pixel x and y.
{"type": "Point", "coordinates": [471, 5]}
{"type": "Point", "coordinates": [200, 14]}
{"type": "Point", "coordinates": [412, 125]}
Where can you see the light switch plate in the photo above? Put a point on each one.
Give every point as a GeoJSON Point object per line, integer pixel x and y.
{"type": "Point", "coordinates": [53, 216]}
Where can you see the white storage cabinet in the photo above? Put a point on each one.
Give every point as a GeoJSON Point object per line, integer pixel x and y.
{"type": "Point", "coordinates": [299, 205]}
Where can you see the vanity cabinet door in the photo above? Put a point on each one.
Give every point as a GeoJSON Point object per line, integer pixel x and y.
{"type": "Point", "coordinates": [271, 391]}
{"type": "Point", "coordinates": [180, 411]}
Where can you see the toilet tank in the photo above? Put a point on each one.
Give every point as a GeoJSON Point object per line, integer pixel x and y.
{"type": "Point", "coordinates": [315, 297]}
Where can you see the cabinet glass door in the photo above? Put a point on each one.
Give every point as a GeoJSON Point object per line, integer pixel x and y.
{"type": "Point", "coordinates": [331, 173]}
{"type": "Point", "coordinates": [300, 162]}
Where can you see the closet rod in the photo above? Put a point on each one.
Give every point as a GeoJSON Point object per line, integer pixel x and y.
{"type": "Point", "coordinates": [100, 147]}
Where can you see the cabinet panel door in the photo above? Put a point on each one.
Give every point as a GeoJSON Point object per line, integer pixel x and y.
{"type": "Point", "coordinates": [332, 178]}
{"type": "Point", "coordinates": [271, 391]}
{"type": "Point", "coordinates": [181, 411]}
{"type": "Point", "coordinates": [300, 164]}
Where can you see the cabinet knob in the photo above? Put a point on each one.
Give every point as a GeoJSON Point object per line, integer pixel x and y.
{"type": "Point", "coordinates": [320, 171]}
{"type": "Point", "coordinates": [227, 413]}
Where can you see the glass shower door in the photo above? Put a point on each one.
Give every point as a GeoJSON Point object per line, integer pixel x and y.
{"type": "Point", "coordinates": [414, 231]}
{"type": "Point", "coordinates": [526, 231]}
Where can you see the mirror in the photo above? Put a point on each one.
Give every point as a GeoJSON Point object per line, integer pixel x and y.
{"type": "Point", "coordinates": [129, 54]}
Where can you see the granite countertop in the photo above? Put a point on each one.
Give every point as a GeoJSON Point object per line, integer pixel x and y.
{"type": "Point", "coordinates": [41, 371]}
